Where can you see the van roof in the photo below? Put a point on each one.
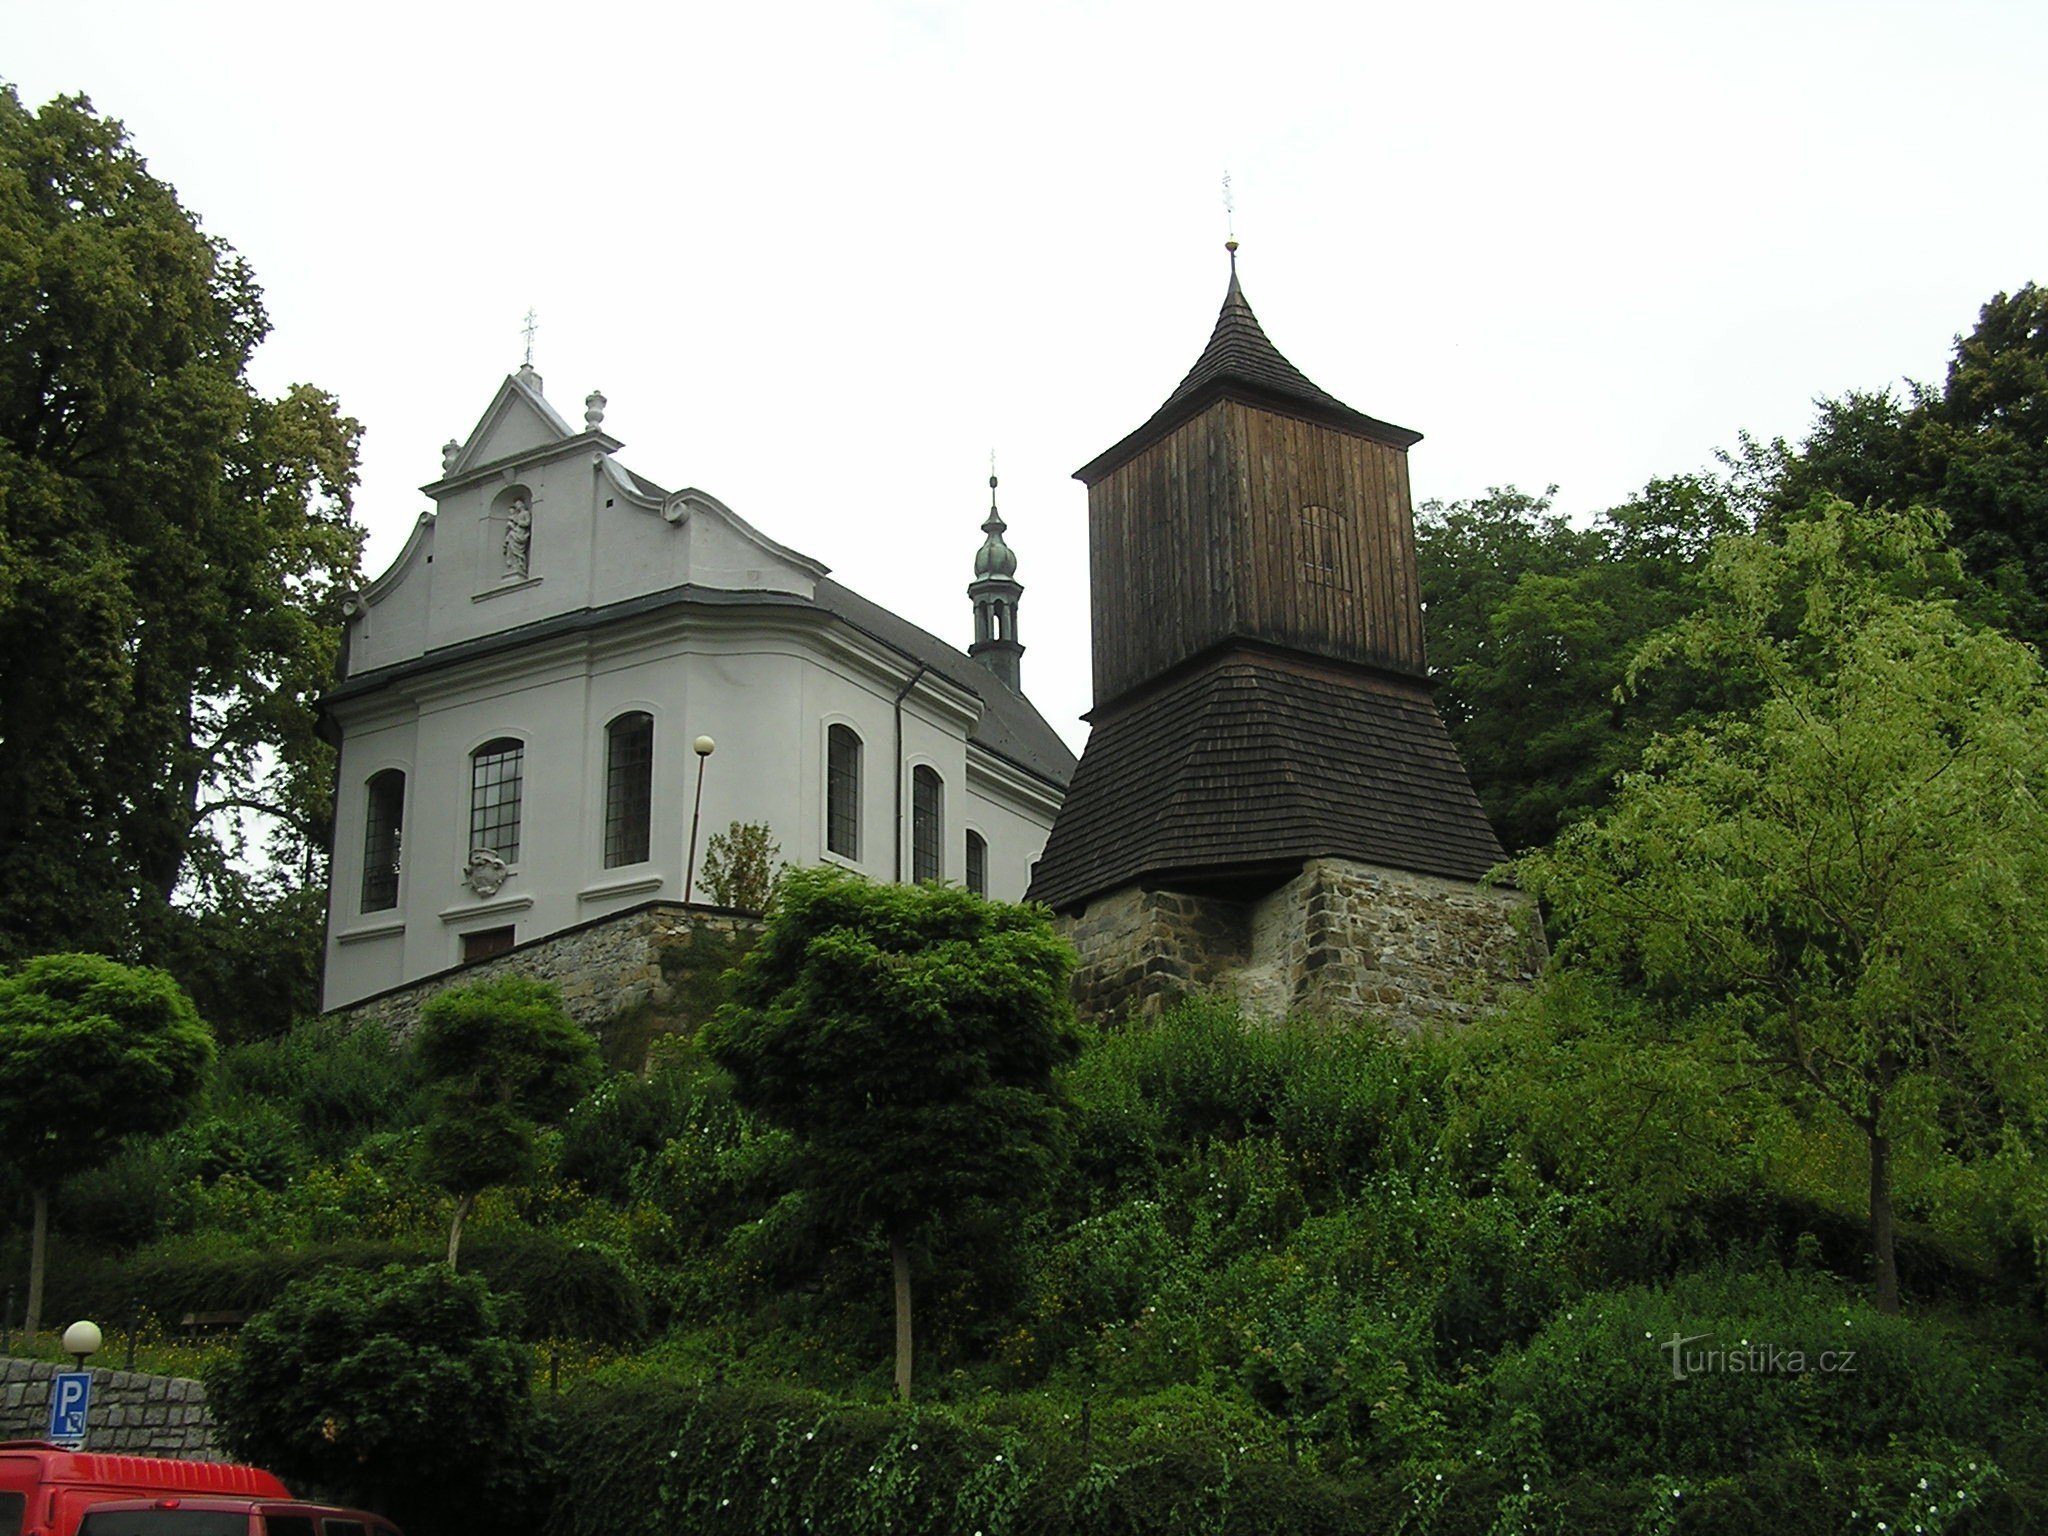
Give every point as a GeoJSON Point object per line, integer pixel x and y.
{"type": "Point", "coordinates": [143, 1473]}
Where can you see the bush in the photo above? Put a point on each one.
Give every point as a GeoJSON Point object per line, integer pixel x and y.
{"type": "Point", "coordinates": [338, 1082]}
{"type": "Point", "coordinates": [398, 1390]}
{"type": "Point", "coordinates": [645, 1458]}
{"type": "Point", "coordinates": [627, 1119]}
{"type": "Point", "coordinates": [565, 1289]}
{"type": "Point", "coordinates": [1600, 1377]}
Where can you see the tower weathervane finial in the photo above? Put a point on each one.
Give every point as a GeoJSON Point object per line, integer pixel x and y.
{"type": "Point", "coordinates": [1230, 223]}
{"type": "Point", "coordinates": [531, 325]}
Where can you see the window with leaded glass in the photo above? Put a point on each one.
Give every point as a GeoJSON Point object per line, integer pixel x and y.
{"type": "Point", "coordinates": [628, 788]}
{"type": "Point", "coordinates": [977, 864]}
{"type": "Point", "coordinates": [383, 823]}
{"type": "Point", "coordinates": [842, 792]}
{"type": "Point", "coordinates": [495, 770]}
{"type": "Point", "coordinates": [927, 825]}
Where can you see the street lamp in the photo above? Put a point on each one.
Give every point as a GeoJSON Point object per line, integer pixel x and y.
{"type": "Point", "coordinates": [80, 1340]}
{"type": "Point", "coordinates": [703, 746]}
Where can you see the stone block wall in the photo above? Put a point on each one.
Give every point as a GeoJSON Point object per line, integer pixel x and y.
{"type": "Point", "coordinates": [1339, 940]}
{"type": "Point", "coordinates": [603, 967]}
{"type": "Point", "coordinates": [131, 1413]}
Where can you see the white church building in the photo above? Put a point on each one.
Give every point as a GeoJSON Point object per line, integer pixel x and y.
{"type": "Point", "coordinates": [521, 693]}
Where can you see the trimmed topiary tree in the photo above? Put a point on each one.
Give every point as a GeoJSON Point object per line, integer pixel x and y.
{"type": "Point", "coordinates": [92, 1052]}
{"type": "Point", "coordinates": [907, 1036]}
{"type": "Point", "coordinates": [502, 1059]}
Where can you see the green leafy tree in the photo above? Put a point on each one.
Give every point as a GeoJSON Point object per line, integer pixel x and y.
{"type": "Point", "coordinates": [401, 1391]}
{"type": "Point", "coordinates": [173, 548]}
{"type": "Point", "coordinates": [91, 1053]}
{"type": "Point", "coordinates": [1986, 436]}
{"type": "Point", "coordinates": [1531, 623]}
{"type": "Point", "coordinates": [907, 1037]}
{"type": "Point", "coordinates": [501, 1059]}
{"type": "Point", "coordinates": [740, 866]}
{"type": "Point", "coordinates": [1977, 447]}
{"type": "Point", "coordinates": [1842, 885]}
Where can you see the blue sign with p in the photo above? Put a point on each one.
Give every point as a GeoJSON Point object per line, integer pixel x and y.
{"type": "Point", "coordinates": [70, 1397]}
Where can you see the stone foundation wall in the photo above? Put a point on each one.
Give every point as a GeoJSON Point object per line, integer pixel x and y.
{"type": "Point", "coordinates": [131, 1413]}
{"type": "Point", "coordinates": [1339, 940]}
{"type": "Point", "coordinates": [603, 967]}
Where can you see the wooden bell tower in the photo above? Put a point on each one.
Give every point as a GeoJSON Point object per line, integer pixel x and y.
{"type": "Point", "coordinates": [1261, 695]}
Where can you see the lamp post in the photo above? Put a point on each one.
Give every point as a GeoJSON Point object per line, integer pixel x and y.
{"type": "Point", "coordinates": [703, 746]}
{"type": "Point", "coordinates": [80, 1340]}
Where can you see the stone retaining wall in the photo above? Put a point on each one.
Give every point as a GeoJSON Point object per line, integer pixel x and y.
{"type": "Point", "coordinates": [1339, 940]}
{"type": "Point", "coordinates": [131, 1413]}
{"type": "Point", "coordinates": [603, 968]}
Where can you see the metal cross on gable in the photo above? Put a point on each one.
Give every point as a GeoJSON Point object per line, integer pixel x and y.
{"type": "Point", "coordinates": [532, 324]}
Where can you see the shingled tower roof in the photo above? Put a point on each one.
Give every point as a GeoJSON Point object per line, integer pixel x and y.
{"type": "Point", "coordinates": [1240, 363]}
{"type": "Point", "coordinates": [1260, 686]}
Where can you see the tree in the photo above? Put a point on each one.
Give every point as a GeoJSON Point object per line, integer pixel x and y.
{"type": "Point", "coordinates": [907, 1037]}
{"type": "Point", "coordinates": [501, 1058]}
{"type": "Point", "coordinates": [173, 551]}
{"type": "Point", "coordinates": [740, 868]}
{"type": "Point", "coordinates": [1531, 623]}
{"type": "Point", "coordinates": [91, 1053]}
{"type": "Point", "coordinates": [1986, 436]}
{"type": "Point", "coordinates": [1843, 881]}
{"type": "Point", "coordinates": [1977, 447]}
{"type": "Point", "coordinates": [401, 1391]}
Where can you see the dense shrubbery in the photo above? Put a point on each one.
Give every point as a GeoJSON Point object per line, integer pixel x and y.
{"type": "Point", "coordinates": [1295, 1274]}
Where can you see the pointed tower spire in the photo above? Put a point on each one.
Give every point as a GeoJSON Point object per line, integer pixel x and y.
{"type": "Point", "coordinates": [995, 591]}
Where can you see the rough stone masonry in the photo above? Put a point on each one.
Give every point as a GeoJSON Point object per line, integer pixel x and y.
{"type": "Point", "coordinates": [131, 1413]}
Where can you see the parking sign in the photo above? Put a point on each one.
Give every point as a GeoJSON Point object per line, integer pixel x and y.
{"type": "Point", "coordinates": [70, 1397]}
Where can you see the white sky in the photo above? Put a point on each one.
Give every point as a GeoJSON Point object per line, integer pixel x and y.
{"type": "Point", "coordinates": [823, 256]}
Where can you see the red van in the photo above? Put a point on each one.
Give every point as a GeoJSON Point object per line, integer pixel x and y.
{"type": "Point", "coordinates": [208, 1515]}
{"type": "Point", "coordinates": [45, 1490]}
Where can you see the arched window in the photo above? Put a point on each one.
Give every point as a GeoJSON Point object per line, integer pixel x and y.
{"type": "Point", "coordinates": [927, 825]}
{"type": "Point", "coordinates": [977, 864]}
{"type": "Point", "coordinates": [495, 769]}
{"type": "Point", "coordinates": [628, 788]}
{"type": "Point", "coordinates": [383, 824]}
{"type": "Point", "coordinates": [842, 792]}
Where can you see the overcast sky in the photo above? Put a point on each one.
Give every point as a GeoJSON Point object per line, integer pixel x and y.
{"type": "Point", "coordinates": [823, 257]}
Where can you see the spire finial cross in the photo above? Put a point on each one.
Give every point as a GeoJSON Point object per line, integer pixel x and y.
{"type": "Point", "coordinates": [532, 324]}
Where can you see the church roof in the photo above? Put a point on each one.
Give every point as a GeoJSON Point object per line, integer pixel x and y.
{"type": "Point", "coordinates": [1259, 761]}
{"type": "Point", "coordinates": [1241, 363]}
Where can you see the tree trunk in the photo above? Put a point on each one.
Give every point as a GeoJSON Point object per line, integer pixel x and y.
{"type": "Point", "coordinates": [464, 1204]}
{"type": "Point", "coordinates": [39, 1236]}
{"type": "Point", "coordinates": [1881, 1248]}
{"type": "Point", "coordinates": [899, 1259]}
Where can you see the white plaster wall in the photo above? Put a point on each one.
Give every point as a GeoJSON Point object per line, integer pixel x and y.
{"type": "Point", "coordinates": [764, 694]}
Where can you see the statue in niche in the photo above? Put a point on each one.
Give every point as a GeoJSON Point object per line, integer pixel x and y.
{"type": "Point", "coordinates": [518, 537]}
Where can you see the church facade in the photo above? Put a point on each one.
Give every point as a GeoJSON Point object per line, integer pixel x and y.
{"type": "Point", "coordinates": [525, 693]}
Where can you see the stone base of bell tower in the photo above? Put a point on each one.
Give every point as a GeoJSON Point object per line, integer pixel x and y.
{"type": "Point", "coordinates": [1340, 940]}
